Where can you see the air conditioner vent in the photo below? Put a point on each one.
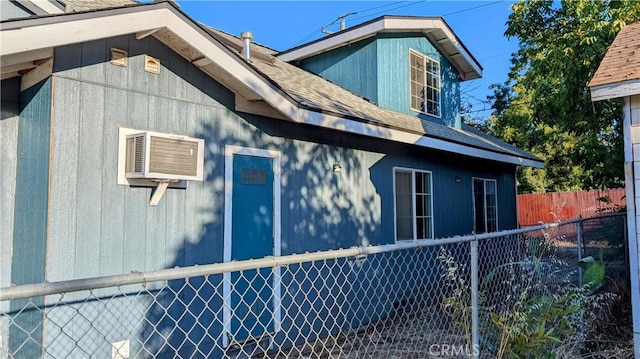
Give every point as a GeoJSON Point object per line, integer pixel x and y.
{"type": "Point", "coordinates": [135, 154]}
{"type": "Point", "coordinates": [160, 156]}
{"type": "Point", "coordinates": [174, 156]}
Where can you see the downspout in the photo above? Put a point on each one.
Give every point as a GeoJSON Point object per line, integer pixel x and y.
{"type": "Point", "coordinates": [630, 193]}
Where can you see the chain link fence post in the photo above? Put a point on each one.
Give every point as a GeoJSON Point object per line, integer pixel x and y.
{"type": "Point", "coordinates": [474, 299]}
{"type": "Point", "coordinates": [579, 244]}
{"type": "Point", "coordinates": [579, 240]}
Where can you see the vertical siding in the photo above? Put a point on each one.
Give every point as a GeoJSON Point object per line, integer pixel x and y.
{"type": "Point", "coordinates": [30, 211]}
{"type": "Point", "coordinates": [378, 69]}
{"type": "Point", "coordinates": [30, 222]}
{"type": "Point", "coordinates": [98, 227]}
{"type": "Point", "coordinates": [634, 112]}
{"type": "Point", "coordinates": [633, 170]}
{"type": "Point", "coordinates": [393, 76]}
{"type": "Point", "coordinates": [353, 67]}
{"type": "Point", "coordinates": [9, 106]}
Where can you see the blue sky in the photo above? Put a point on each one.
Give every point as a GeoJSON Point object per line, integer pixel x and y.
{"type": "Point", "coordinates": [284, 24]}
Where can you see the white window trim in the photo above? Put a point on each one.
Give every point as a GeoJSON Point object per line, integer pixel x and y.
{"type": "Point", "coordinates": [229, 151]}
{"type": "Point", "coordinates": [413, 204]}
{"type": "Point", "coordinates": [439, 82]}
{"type": "Point", "coordinates": [473, 196]}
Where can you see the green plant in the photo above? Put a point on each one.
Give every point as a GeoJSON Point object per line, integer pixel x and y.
{"type": "Point", "coordinates": [456, 302]}
{"type": "Point", "coordinates": [537, 324]}
{"type": "Point", "coordinates": [594, 272]}
{"type": "Point", "coordinates": [544, 314]}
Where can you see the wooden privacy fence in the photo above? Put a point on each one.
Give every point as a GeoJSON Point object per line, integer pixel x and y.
{"type": "Point", "coordinates": [560, 206]}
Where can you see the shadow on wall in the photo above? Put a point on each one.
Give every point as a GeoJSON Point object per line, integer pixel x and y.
{"type": "Point", "coordinates": [321, 210]}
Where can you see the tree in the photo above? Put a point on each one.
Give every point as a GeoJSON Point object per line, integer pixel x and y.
{"type": "Point", "coordinates": [545, 106]}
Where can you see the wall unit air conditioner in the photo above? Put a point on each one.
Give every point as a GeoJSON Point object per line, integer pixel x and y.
{"type": "Point", "coordinates": [163, 157]}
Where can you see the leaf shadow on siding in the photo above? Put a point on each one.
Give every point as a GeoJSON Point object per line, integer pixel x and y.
{"type": "Point", "coordinates": [320, 210]}
{"type": "Point", "coordinates": [449, 100]}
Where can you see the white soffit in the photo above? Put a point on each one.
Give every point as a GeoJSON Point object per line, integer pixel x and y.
{"type": "Point", "coordinates": [434, 28]}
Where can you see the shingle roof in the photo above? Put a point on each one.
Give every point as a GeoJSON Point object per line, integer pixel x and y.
{"type": "Point", "coordinates": [315, 93]}
{"type": "Point", "coordinates": [622, 61]}
{"type": "Point", "coordinates": [87, 5]}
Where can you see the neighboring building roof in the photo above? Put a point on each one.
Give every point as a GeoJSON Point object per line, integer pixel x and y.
{"type": "Point", "coordinates": [434, 28]}
{"type": "Point", "coordinates": [619, 72]}
{"type": "Point", "coordinates": [264, 84]}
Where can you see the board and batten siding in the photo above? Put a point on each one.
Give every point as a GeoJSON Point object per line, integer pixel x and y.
{"type": "Point", "coordinates": [378, 70]}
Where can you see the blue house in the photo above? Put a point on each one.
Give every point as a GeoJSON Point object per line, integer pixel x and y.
{"type": "Point", "coordinates": [351, 140]}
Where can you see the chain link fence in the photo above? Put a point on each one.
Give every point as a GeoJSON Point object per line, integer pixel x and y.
{"type": "Point", "coordinates": [469, 296]}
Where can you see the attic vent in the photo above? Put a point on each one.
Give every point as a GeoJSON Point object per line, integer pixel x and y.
{"type": "Point", "coordinates": [151, 64]}
{"type": "Point", "coordinates": [119, 57]}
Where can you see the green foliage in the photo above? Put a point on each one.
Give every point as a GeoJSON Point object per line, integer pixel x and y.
{"type": "Point", "coordinates": [545, 106]}
{"type": "Point", "coordinates": [545, 314]}
{"type": "Point", "coordinates": [537, 324]}
{"type": "Point", "coordinates": [593, 275]}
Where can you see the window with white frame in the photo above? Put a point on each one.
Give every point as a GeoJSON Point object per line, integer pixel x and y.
{"type": "Point", "coordinates": [414, 204]}
{"type": "Point", "coordinates": [425, 84]}
{"type": "Point", "coordinates": [485, 203]}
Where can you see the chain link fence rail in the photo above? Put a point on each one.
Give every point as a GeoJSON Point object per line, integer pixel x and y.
{"type": "Point", "coordinates": [464, 296]}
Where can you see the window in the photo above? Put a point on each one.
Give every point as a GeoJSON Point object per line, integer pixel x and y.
{"type": "Point", "coordinates": [425, 84]}
{"type": "Point", "coordinates": [414, 204]}
{"type": "Point", "coordinates": [485, 204]}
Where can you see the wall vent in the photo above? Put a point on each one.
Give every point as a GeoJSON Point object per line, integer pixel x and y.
{"type": "Point", "coordinates": [119, 57]}
{"type": "Point", "coordinates": [151, 64]}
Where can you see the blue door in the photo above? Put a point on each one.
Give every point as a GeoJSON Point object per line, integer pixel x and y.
{"type": "Point", "coordinates": [252, 294]}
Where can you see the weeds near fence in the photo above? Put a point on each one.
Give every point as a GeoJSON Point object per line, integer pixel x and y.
{"type": "Point", "coordinates": [540, 310]}
{"type": "Point", "coordinates": [457, 303]}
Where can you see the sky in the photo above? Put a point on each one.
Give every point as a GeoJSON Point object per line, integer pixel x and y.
{"type": "Point", "coordinates": [281, 25]}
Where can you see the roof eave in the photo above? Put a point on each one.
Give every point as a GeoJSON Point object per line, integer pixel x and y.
{"type": "Point", "coordinates": [615, 90]}
{"type": "Point", "coordinates": [91, 25]}
{"type": "Point", "coordinates": [436, 29]}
